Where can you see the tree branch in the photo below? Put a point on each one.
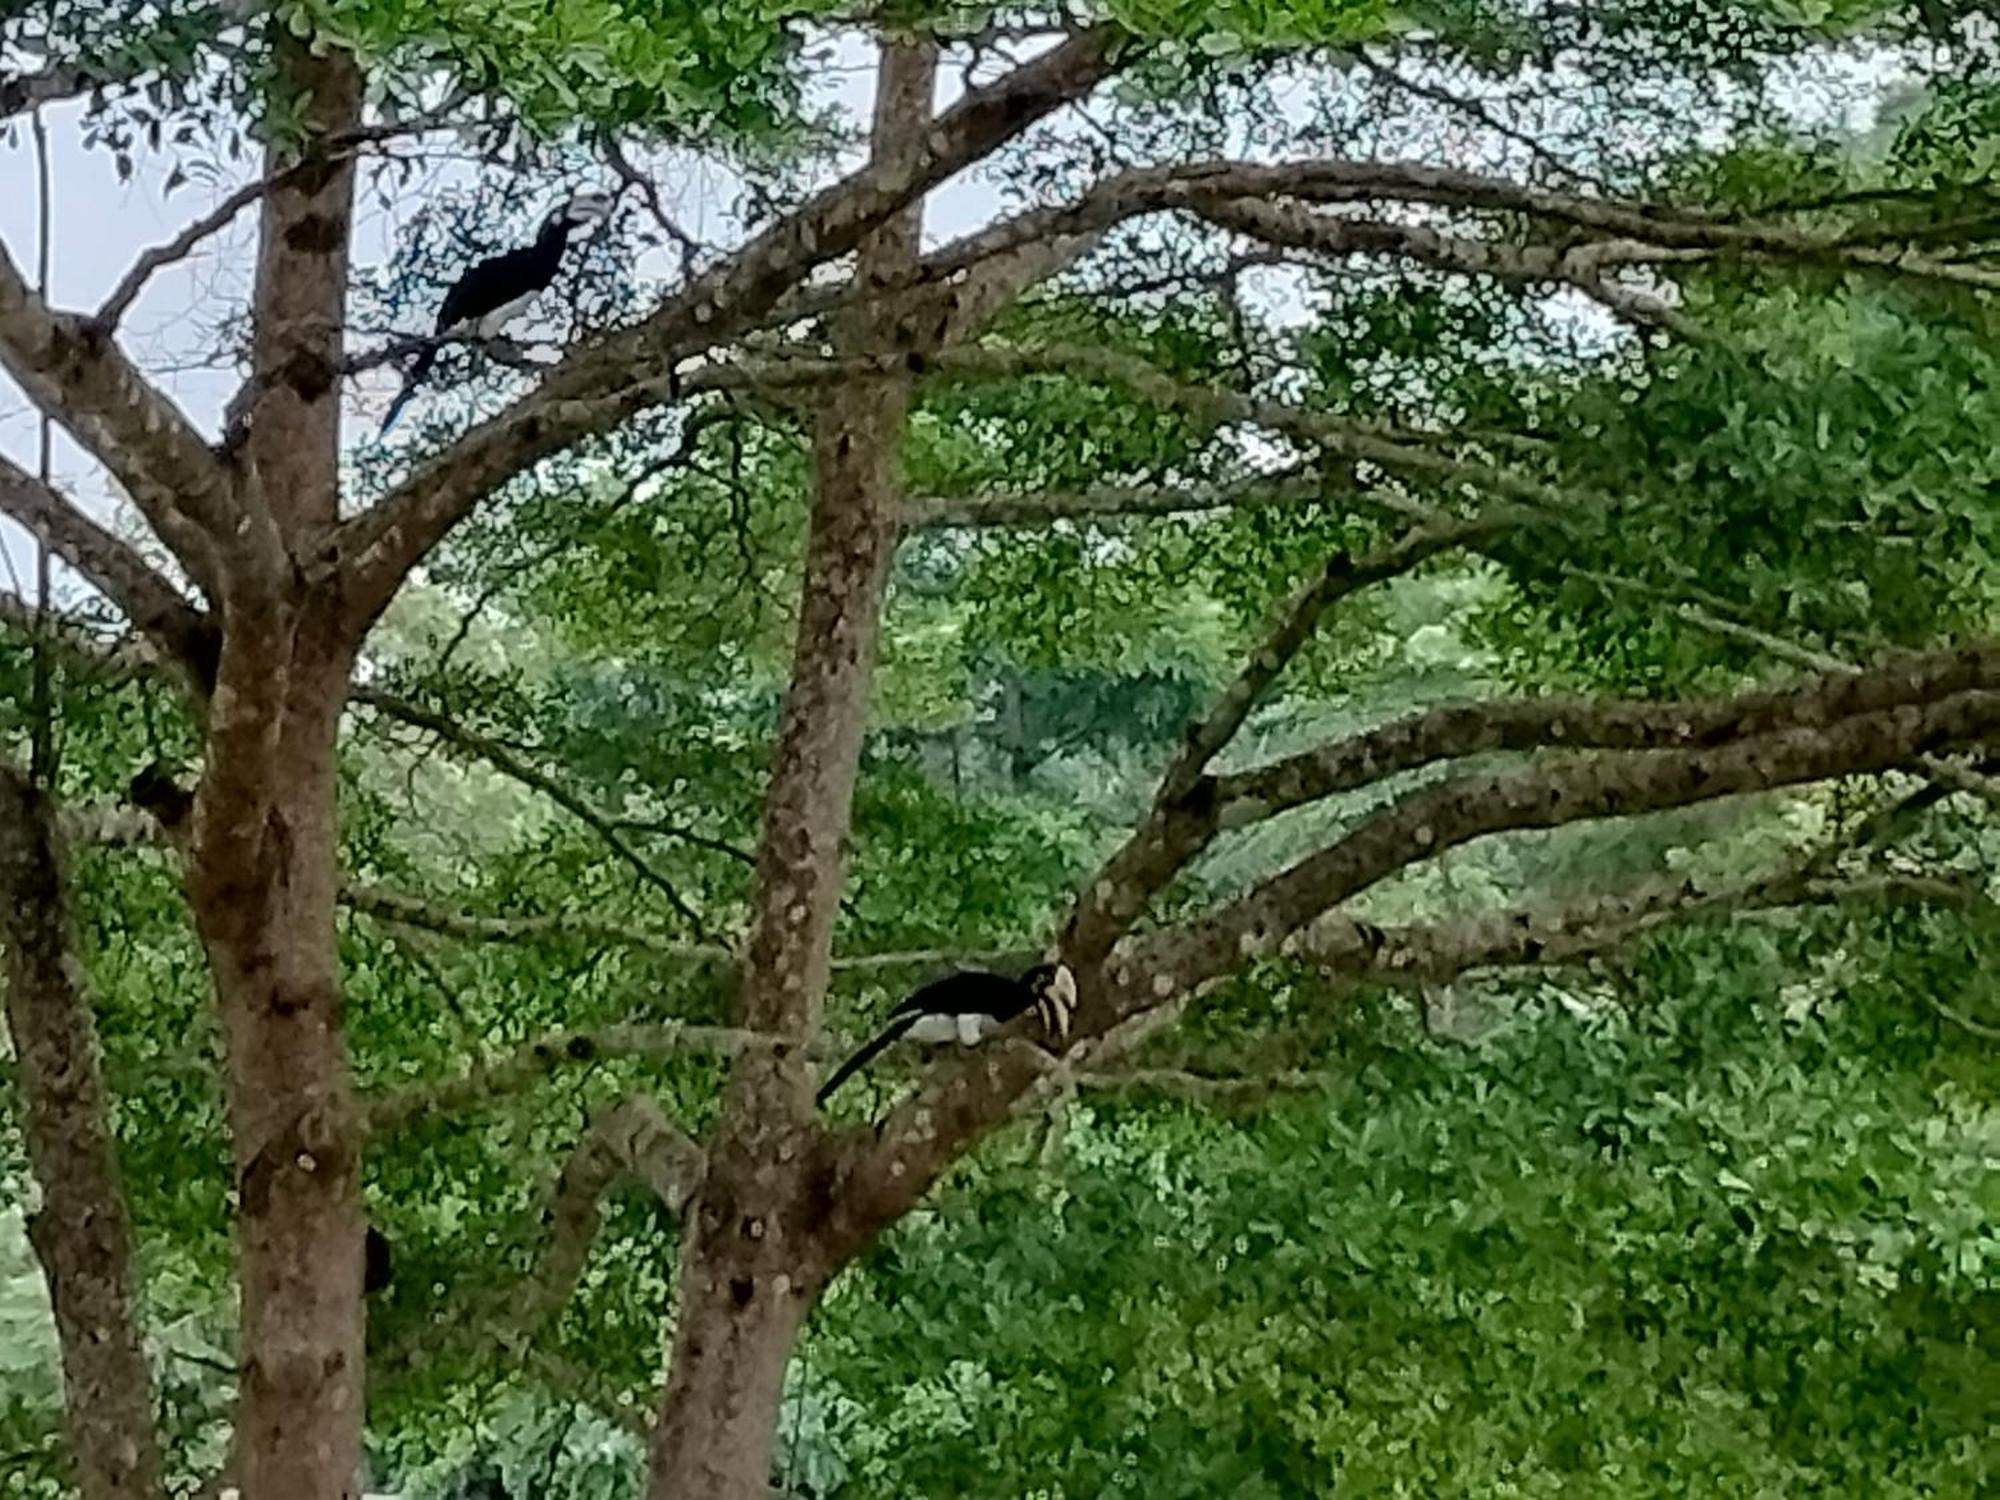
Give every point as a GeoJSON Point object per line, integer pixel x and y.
{"type": "Point", "coordinates": [512, 765]}
{"type": "Point", "coordinates": [392, 1109]}
{"type": "Point", "coordinates": [883, 1170]}
{"type": "Point", "coordinates": [1650, 232]}
{"type": "Point", "coordinates": [631, 1138]}
{"type": "Point", "coordinates": [1426, 822]}
{"type": "Point", "coordinates": [1183, 819]}
{"type": "Point", "coordinates": [1457, 731]}
{"type": "Point", "coordinates": [66, 80]}
{"type": "Point", "coordinates": [101, 400]}
{"type": "Point", "coordinates": [1115, 502]}
{"type": "Point", "coordinates": [1579, 266]}
{"type": "Point", "coordinates": [1564, 933]}
{"type": "Point", "coordinates": [177, 629]}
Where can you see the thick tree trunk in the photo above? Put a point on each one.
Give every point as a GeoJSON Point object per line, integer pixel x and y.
{"type": "Point", "coordinates": [262, 870]}
{"type": "Point", "coordinates": [82, 1234]}
{"type": "Point", "coordinates": [752, 1262]}
{"type": "Point", "coordinates": [263, 901]}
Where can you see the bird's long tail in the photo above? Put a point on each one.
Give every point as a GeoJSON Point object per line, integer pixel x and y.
{"type": "Point", "coordinates": [865, 1056]}
{"type": "Point", "coordinates": [426, 357]}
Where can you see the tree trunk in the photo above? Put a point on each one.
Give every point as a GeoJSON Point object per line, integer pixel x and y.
{"type": "Point", "coordinates": [752, 1263]}
{"type": "Point", "coordinates": [741, 1297]}
{"type": "Point", "coordinates": [263, 902]}
{"type": "Point", "coordinates": [262, 872]}
{"type": "Point", "coordinates": [82, 1234]}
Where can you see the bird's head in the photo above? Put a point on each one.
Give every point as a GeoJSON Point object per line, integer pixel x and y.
{"type": "Point", "coordinates": [585, 206]}
{"type": "Point", "coordinates": [1054, 989]}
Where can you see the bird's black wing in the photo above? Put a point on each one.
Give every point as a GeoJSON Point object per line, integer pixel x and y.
{"type": "Point", "coordinates": [968, 992]}
{"type": "Point", "coordinates": [493, 283]}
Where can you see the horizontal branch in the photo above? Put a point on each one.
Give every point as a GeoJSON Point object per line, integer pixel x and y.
{"type": "Point", "coordinates": [1457, 731]}
{"type": "Point", "coordinates": [1425, 823]}
{"type": "Point", "coordinates": [1117, 502]}
{"type": "Point", "coordinates": [1566, 933]}
{"type": "Point", "coordinates": [1324, 181]}
{"type": "Point", "coordinates": [397, 1108]}
{"type": "Point", "coordinates": [1581, 266]}
{"type": "Point", "coordinates": [428, 916]}
{"type": "Point", "coordinates": [518, 768]}
{"type": "Point", "coordinates": [1399, 451]}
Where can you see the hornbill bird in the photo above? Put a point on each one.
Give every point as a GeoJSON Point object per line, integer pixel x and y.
{"type": "Point", "coordinates": [500, 288]}
{"type": "Point", "coordinates": [968, 1007]}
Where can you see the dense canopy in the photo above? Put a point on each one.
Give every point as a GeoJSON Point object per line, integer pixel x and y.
{"type": "Point", "coordinates": [1444, 559]}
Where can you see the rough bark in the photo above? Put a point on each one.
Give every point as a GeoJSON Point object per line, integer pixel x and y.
{"type": "Point", "coordinates": [173, 625]}
{"type": "Point", "coordinates": [83, 1233]}
{"type": "Point", "coordinates": [261, 881]}
{"type": "Point", "coordinates": [751, 1264]}
{"type": "Point", "coordinates": [261, 867]}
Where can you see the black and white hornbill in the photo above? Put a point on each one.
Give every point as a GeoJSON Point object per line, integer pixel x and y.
{"type": "Point", "coordinates": [967, 1008]}
{"type": "Point", "coordinates": [500, 288]}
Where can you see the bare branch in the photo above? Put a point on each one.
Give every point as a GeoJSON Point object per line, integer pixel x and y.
{"type": "Point", "coordinates": [1963, 775]}
{"type": "Point", "coordinates": [1457, 731]}
{"type": "Point", "coordinates": [407, 911]}
{"type": "Point", "coordinates": [1640, 231]}
{"type": "Point", "coordinates": [1403, 452]}
{"type": "Point", "coordinates": [1485, 117]}
{"type": "Point", "coordinates": [1425, 823]}
{"type": "Point", "coordinates": [1208, 1090]}
{"type": "Point", "coordinates": [483, 1083]}
{"type": "Point", "coordinates": [101, 400]}
{"type": "Point", "coordinates": [1579, 266]}
{"type": "Point", "coordinates": [632, 177]}
{"type": "Point", "coordinates": [1116, 502]}
{"type": "Point", "coordinates": [182, 245]}
{"type": "Point", "coordinates": [1565, 933]}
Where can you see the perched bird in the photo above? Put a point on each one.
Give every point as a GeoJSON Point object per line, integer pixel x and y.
{"type": "Point", "coordinates": [500, 288]}
{"type": "Point", "coordinates": [967, 1008]}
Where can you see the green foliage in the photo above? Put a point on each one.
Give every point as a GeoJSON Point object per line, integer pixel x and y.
{"type": "Point", "coordinates": [1605, 1255]}
{"type": "Point", "coordinates": [1716, 1218]}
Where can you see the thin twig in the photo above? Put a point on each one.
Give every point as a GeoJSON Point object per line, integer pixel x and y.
{"type": "Point", "coordinates": [508, 763]}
